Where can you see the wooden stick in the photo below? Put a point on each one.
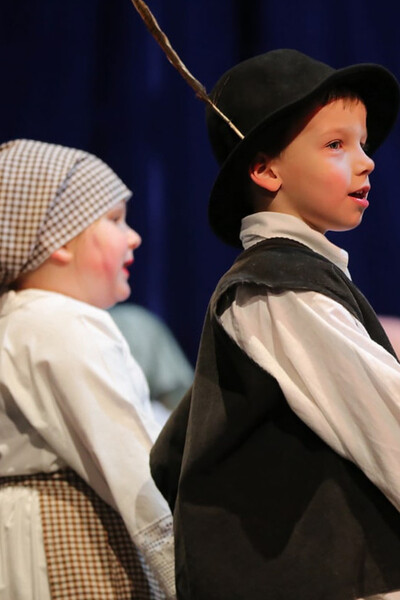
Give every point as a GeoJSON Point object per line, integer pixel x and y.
{"type": "Point", "coordinates": [155, 30]}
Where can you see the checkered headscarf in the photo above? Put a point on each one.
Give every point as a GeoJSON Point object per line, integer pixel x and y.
{"type": "Point", "coordinates": [48, 194]}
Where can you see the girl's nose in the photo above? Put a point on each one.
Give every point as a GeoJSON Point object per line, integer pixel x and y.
{"type": "Point", "coordinates": [134, 238]}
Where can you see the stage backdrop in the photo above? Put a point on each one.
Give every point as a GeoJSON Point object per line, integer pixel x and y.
{"type": "Point", "coordinates": [86, 73]}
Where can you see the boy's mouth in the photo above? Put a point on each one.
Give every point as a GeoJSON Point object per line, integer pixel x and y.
{"type": "Point", "coordinates": [361, 194]}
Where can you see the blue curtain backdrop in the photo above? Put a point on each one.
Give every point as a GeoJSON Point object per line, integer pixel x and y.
{"type": "Point", "coordinates": [86, 73]}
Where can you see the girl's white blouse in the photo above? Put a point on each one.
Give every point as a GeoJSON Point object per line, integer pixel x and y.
{"type": "Point", "coordinates": [71, 394]}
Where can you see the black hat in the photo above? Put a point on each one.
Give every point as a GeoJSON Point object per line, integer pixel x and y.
{"type": "Point", "coordinates": [262, 91]}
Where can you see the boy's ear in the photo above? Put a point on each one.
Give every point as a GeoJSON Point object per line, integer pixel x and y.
{"type": "Point", "coordinates": [262, 171]}
{"type": "Point", "coordinates": [62, 255]}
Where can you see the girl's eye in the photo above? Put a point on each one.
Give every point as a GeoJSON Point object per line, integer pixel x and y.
{"type": "Point", "coordinates": [116, 218]}
{"type": "Point", "coordinates": [335, 145]}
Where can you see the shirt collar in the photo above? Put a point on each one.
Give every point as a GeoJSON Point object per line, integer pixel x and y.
{"type": "Point", "coordinates": [266, 225]}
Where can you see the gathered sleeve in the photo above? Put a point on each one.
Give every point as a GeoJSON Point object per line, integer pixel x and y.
{"type": "Point", "coordinates": [337, 380]}
{"type": "Point", "coordinates": [82, 392]}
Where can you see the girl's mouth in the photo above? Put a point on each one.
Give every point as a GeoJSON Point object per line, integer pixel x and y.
{"type": "Point", "coordinates": [125, 267]}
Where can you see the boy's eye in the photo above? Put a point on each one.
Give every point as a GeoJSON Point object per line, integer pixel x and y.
{"type": "Point", "coordinates": [335, 145]}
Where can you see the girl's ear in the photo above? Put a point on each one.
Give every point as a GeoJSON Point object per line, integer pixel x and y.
{"type": "Point", "coordinates": [62, 255]}
{"type": "Point", "coordinates": [262, 172]}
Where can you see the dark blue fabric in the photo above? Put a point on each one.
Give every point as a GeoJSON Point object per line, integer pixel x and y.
{"type": "Point", "coordinates": [86, 73]}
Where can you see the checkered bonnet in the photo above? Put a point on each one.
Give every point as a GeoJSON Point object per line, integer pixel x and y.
{"type": "Point", "coordinates": [48, 194]}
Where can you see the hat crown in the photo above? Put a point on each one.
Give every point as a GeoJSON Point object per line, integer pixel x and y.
{"type": "Point", "coordinates": [257, 88]}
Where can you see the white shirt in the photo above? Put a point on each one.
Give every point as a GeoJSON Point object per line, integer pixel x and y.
{"type": "Point", "coordinates": [342, 384]}
{"type": "Point", "coordinates": [72, 395]}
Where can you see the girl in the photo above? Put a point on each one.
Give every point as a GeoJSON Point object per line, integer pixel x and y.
{"type": "Point", "coordinates": [79, 514]}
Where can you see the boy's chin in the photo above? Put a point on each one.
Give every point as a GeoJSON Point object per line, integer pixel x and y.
{"type": "Point", "coordinates": [342, 227]}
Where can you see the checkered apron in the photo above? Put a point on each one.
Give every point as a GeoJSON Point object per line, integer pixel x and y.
{"type": "Point", "coordinates": [89, 553]}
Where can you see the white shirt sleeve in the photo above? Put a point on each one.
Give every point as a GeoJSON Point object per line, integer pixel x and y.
{"type": "Point", "coordinates": [82, 392]}
{"type": "Point", "coordinates": [342, 384]}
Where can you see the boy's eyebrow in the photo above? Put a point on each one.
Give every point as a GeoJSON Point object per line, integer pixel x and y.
{"type": "Point", "coordinates": [341, 130]}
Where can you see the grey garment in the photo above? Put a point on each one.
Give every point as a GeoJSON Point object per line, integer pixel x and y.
{"type": "Point", "coordinates": [152, 344]}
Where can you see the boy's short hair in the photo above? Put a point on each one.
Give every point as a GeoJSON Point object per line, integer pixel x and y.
{"type": "Point", "coordinates": [48, 195]}
{"type": "Point", "coordinates": [261, 96]}
{"type": "Point", "coordinates": [283, 131]}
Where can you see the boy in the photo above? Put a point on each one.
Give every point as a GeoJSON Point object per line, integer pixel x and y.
{"type": "Point", "coordinates": [267, 463]}
{"type": "Point", "coordinates": [79, 513]}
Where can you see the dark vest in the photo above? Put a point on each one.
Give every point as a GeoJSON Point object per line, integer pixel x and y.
{"type": "Point", "coordinates": [263, 508]}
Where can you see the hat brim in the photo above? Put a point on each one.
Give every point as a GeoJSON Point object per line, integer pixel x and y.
{"type": "Point", "coordinates": [379, 91]}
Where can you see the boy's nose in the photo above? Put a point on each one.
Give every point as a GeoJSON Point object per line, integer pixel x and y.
{"type": "Point", "coordinates": [368, 164]}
